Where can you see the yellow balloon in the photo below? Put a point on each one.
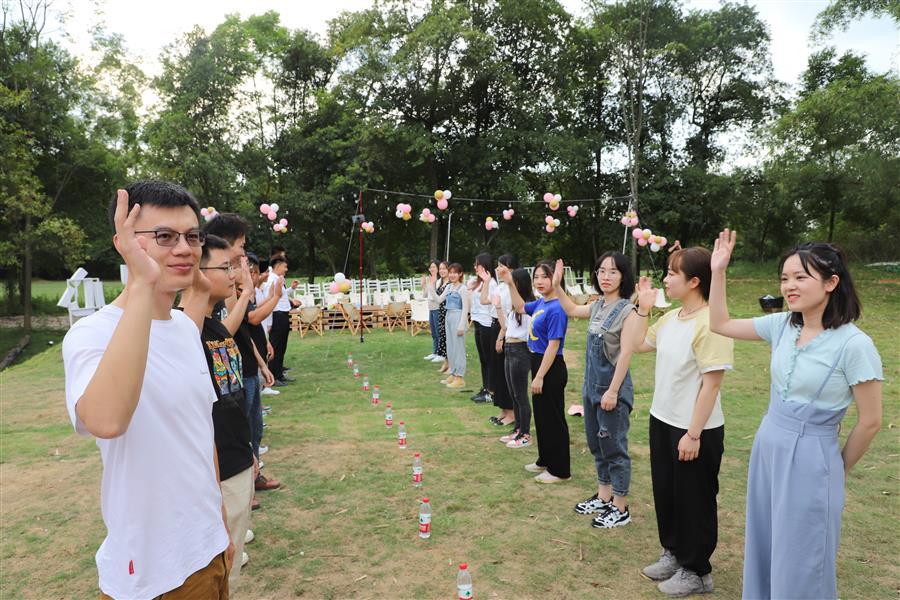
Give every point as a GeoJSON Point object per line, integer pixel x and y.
{"type": "Point", "coordinates": [344, 286]}
{"type": "Point", "coordinates": [406, 216]}
{"type": "Point", "coordinates": [438, 195]}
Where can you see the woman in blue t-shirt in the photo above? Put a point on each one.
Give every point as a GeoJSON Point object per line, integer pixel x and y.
{"type": "Point", "coordinates": [546, 336]}
{"type": "Point", "coordinates": [821, 363]}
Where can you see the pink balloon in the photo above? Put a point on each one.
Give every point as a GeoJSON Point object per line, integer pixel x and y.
{"type": "Point", "coordinates": [488, 226]}
{"type": "Point", "coordinates": [264, 209]}
{"type": "Point", "coordinates": [334, 288]}
{"type": "Point", "coordinates": [407, 208]}
{"type": "Point", "coordinates": [624, 221]}
{"type": "Point", "coordinates": [442, 204]}
{"type": "Point", "coordinates": [550, 228]}
{"type": "Point", "coordinates": [431, 218]}
{"type": "Point", "coordinates": [637, 234]}
{"type": "Point", "coordinates": [426, 211]}
{"type": "Point", "coordinates": [548, 197]}
{"type": "Point", "coordinates": [663, 242]}
{"type": "Point", "coordinates": [642, 242]}
{"type": "Point", "coordinates": [633, 221]}
{"type": "Point", "coordinates": [283, 222]}
{"type": "Point", "coordinates": [548, 220]}
{"type": "Point", "coordinates": [272, 216]}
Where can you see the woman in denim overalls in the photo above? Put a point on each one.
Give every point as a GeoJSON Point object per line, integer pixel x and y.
{"type": "Point", "coordinates": [607, 394]}
{"type": "Point", "coordinates": [821, 362]}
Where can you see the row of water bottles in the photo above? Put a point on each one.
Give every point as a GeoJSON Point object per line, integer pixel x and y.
{"type": "Point", "coordinates": [463, 577]}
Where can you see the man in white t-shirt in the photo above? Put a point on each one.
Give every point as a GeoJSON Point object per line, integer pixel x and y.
{"type": "Point", "coordinates": [138, 381]}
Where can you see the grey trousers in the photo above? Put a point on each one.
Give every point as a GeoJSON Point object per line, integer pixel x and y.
{"type": "Point", "coordinates": [456, 344]}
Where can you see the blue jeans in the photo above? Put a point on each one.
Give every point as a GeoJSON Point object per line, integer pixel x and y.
{"type": "Point", "coordinates": [253, 410]}
{"type": "Point", "coordinates": [434, 317]}
{"type": "Point", "coordinates": [607, 438]}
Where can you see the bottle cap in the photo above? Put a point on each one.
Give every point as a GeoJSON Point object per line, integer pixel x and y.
{"type": "Point", "coordinates": [417, 454]}
{"type": "Point", "coordinates": [424, 499]}
{"type": "Point", "coordinates": [389, 405]}
{"type": "Point", "coordinates": [403, 422]}
{"type": "Point", "coordinates": [463, 566]}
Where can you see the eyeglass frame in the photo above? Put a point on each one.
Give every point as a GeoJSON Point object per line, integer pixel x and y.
{"type": "Point", "coordinates": [229, 269]}
{"type": "Point", "coordinates": [178, 235]}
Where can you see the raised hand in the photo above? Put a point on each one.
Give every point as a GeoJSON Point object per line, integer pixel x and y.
{"type": "Point", "coordinates": [646, 295]}
{"type": "Point", "coordinates": [558, 271]}
{"type": "Point", "coordinates": [483, 274]}
{"type": "Point", "coordinates": [246, 281]}
{"type": "Point", "coordinates": [724, 246]}
{"type": "Point", "coordinates": [200, 284]}
{"type": "Point", "coordinates": [133, 247]}
{"type": "Point", "coordinates": [278, 286]}
{"type": "Point", "coordinates": [504, 274]}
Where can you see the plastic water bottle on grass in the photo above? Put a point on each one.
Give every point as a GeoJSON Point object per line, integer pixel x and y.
{"type": "Point", "coordinates": [376, 394]}
{"type": "Point", "coordinates": [417, 469]}
{"type": "Point", "coordinates": [464, 583]}
{"type": "Point", "coordinates": [401, 435]}
{"type": "Point", "coordinates": [425, 519]}
{"type": "Point", "coordinates": [355, 370]}
{"type": "Point", "coordinates": [388, 416]}
{"type": "Point", "coordinates": [349, 360]}
{"type": "Point", "coordinates": [365, 383]}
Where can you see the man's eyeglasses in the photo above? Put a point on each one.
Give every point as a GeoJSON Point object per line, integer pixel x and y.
{"type": "Point", "coordinates": [169, 238]}
{"type": "Point", "coordinates": [229, 269]}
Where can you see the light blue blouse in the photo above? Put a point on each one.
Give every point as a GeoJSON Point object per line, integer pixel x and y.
{"type": "Point", "coordinates": [797, 372]}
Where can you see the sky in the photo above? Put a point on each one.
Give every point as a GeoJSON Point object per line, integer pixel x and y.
{"type": "Point", "coordinates": [149, 26]}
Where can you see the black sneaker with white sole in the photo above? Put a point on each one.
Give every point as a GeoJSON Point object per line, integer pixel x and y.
{"type": "Point", "coordinates": [592, 506]}
{"type": "Point", "coordinates": [612, 518]}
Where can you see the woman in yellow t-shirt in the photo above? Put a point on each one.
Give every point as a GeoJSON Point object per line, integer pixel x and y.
{"type": "Point", "coordinates": [687, 427]}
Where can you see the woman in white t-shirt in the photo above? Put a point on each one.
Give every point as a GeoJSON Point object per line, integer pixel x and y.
{"type": "Point", "coordinates": [500, 302]}
{"type": "Point", "coordinates": [513, 341]}
{"type": "Point", "coordinates": [687, 427]}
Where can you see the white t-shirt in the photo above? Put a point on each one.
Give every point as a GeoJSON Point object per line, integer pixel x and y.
{"type": "Point", "coordinates": [685, 349]}
{"type": "Point", "coordinates": [484, 313]}
{"type": "Point", "coordinates": [284, 302]}
{"type": "Point", "coordinates": [513, 329]}
{"type": "Point", "coordinates": [159, 496]}
{"type": "Point", "coordinates": [262, 295]}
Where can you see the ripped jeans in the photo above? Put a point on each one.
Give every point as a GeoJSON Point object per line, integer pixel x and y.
{"type": "Point", "coordinates": [607, 438]}
{"type": "Point", "coordinates": [607, 431]}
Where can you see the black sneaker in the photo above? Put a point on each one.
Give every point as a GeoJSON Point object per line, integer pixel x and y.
{"type": "Point", "coordinates": [592, 506]}
{"type": "Point", "coordinates": [479, 397]}
{"type": "Point", "coordinates": [612, 518]}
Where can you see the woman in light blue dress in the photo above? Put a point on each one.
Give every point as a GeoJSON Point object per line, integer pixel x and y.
{"type": "Point", "coordinates": [821, 362]}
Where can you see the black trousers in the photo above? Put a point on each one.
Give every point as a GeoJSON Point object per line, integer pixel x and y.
{"type": "Point", "coordinates": [278, 337]}
{"type": "Point", "coordinates": [485, 338]}
{"type": "Point", "coordinates": [684, 493]}
{"type": "Point", "coordinates": [550, 424]}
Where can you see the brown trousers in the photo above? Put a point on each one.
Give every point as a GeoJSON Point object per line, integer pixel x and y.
{"type": "Point", "coordinates": [209, 583]}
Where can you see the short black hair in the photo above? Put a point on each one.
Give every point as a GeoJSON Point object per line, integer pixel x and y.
{"type": "Point", "coordinates": [277, 250]}
{"type": "Point", "coordinates": [213, 242]}
{"type": "Point", "coordinates": [252, 258]}
{"type": "Point", "coordinates": [693, 262]}
{"type": "Point", "coordinates": [509, 261]}
{"type": "Point", "coordinates": [154, 192]}
{"type": "Point", "coordinates": [486, 262]}
{"type": "Point", "coordinates": [828, 260]}
{"type": "Point", "coordinates": [623, 265]}
{"type": "Point", "coordinates": [229, 226]}
{"type": "Point", "coordinates": [277, 261]}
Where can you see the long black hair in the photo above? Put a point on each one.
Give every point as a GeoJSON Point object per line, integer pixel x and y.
{"type": "Point", "coordinates": [623, 265]}
{"type": "Point", "coordinates": [827, 260]}
{"type": "Point", "coordinates": [522, 281]}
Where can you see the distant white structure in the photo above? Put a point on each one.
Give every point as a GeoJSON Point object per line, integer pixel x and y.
{"type": "Point", "coordinates": [92, 295]}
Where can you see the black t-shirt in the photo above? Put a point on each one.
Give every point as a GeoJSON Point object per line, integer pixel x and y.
{"type": "Point", "coordinates": [232, 431]}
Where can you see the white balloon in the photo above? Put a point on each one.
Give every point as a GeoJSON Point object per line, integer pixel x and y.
{"type": "Point", "coordinates": [557, 197]}
{"type": "Point", "coordinates": [274, 207]}
{"type": "Point", "coordinates": [340, 277]}
{"type": "Point", "coordinates": [654, 247]}
{"type": "Point", "coordinates": [447, 194]}
{"type": "Point", "coordinates": [556, 222]}
{"type": "Point", "coordinates": [399, 214]}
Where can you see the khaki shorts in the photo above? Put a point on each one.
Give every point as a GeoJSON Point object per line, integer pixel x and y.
{"type": "Point", "coordinates": [209, 583]}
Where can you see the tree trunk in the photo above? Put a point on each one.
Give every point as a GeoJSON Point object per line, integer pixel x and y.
{"type": "Point", "coordinates": [26, 274]}
{"type": "Point", "coordinates": [11, 290]}
{"type": "Point", "coordinates": [311, 250]}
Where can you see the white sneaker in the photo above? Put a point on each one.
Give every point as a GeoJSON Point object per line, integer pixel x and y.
{"type": "Point", "coordinates": [437, 359]}
{"type": "Point", "coordinates": [430, 356]}
{"type": "Point", "coordinates": [263, 450]}
{"type": "Point", "coordinates": [249, 537]}
{"type": "Point", "coordinates": [269, 392]}
{"type": "Point", "coordinates": [535, 468]}
{"type": "Point", "coordinates": [546, 477]}
{"type": "Point", "coordinates": [261, 464]}
{"type": "Point", "coordinates": [245, 558]}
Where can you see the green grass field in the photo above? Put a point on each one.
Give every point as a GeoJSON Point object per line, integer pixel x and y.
{"type": "Point", "coordinates": [344, 523]}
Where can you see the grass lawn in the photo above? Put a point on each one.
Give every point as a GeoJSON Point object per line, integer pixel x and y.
{"type": "Point", "coordinates": [344, 523]}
